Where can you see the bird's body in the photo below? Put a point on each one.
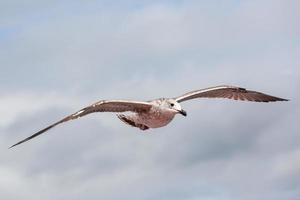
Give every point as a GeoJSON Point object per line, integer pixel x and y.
{"type": "Point", "coordinates": [160, 112]}
{"type": "Point", "coordinates": [158, 116]}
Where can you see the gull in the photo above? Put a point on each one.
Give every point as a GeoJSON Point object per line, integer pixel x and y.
{"type": "Point", "coordinates": [160, 112]}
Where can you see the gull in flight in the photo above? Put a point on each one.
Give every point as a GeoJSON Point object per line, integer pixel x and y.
{"type": "Point", "coordinates": [160, 112]}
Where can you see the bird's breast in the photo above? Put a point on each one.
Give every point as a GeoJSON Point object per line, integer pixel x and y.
{"type": "Point", "coordinates": [156, 118]}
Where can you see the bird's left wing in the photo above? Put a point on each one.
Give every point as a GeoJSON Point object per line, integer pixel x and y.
{"type": "Point", "coordinates": [100, 106]}
{"type": "Point", "coordinates": [229, 92]}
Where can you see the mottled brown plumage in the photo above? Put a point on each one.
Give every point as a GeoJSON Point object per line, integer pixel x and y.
{"type": "Point", "coordinates": [229, 92]}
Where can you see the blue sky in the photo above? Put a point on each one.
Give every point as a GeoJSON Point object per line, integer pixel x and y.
{"type": "Point", "coordinates": [59, 56]}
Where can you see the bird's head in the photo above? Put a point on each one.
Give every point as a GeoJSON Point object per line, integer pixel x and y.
{"type": "Point", "coordinates": [173, 105]}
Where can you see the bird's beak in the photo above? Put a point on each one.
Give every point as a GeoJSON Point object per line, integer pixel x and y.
{"type": "Point", "coordinates": [183, 112]}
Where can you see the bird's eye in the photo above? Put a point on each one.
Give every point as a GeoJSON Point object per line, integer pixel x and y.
{"type": "Point", "coordinates": [172, 104]}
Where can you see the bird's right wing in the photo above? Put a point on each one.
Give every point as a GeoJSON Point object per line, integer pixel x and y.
{"type": "Point", "coordinates": [100, 106]}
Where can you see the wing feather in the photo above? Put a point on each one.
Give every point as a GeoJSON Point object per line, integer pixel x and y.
{"type": "Point", "coordinates": [100, 106]}
{"type": "Point", "coordinates": [230, 92]}
{"type": "Point", "coordinates": [242, 98]}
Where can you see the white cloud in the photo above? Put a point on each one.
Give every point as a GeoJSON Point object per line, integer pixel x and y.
{"type": "Point", "coordinates": [14, 105]}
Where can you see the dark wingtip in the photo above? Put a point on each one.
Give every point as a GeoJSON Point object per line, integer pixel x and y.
{"type": "Point", "coordinates": [281, 99]}
{"type": "Point", "coordinates": [274, 99]}
{"type": "Point", "coordinates": [13, 145]}
{"type": "Point", "coordinates": [17, 144]}
{"type": "Point", "coordinates": [34, 135]}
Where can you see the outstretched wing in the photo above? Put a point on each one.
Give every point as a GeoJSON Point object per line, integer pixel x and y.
{"type": "Point", "coordinates": [230, 92]}
{"type": "Point", "coordinates": [101, 106]}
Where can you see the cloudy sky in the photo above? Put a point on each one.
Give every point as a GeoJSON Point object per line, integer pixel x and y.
{"type": "Point", "coordinates": [59, 56]}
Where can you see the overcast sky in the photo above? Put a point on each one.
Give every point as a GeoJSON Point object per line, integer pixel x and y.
{"type": "Point", "coordinates": [59, 56]}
